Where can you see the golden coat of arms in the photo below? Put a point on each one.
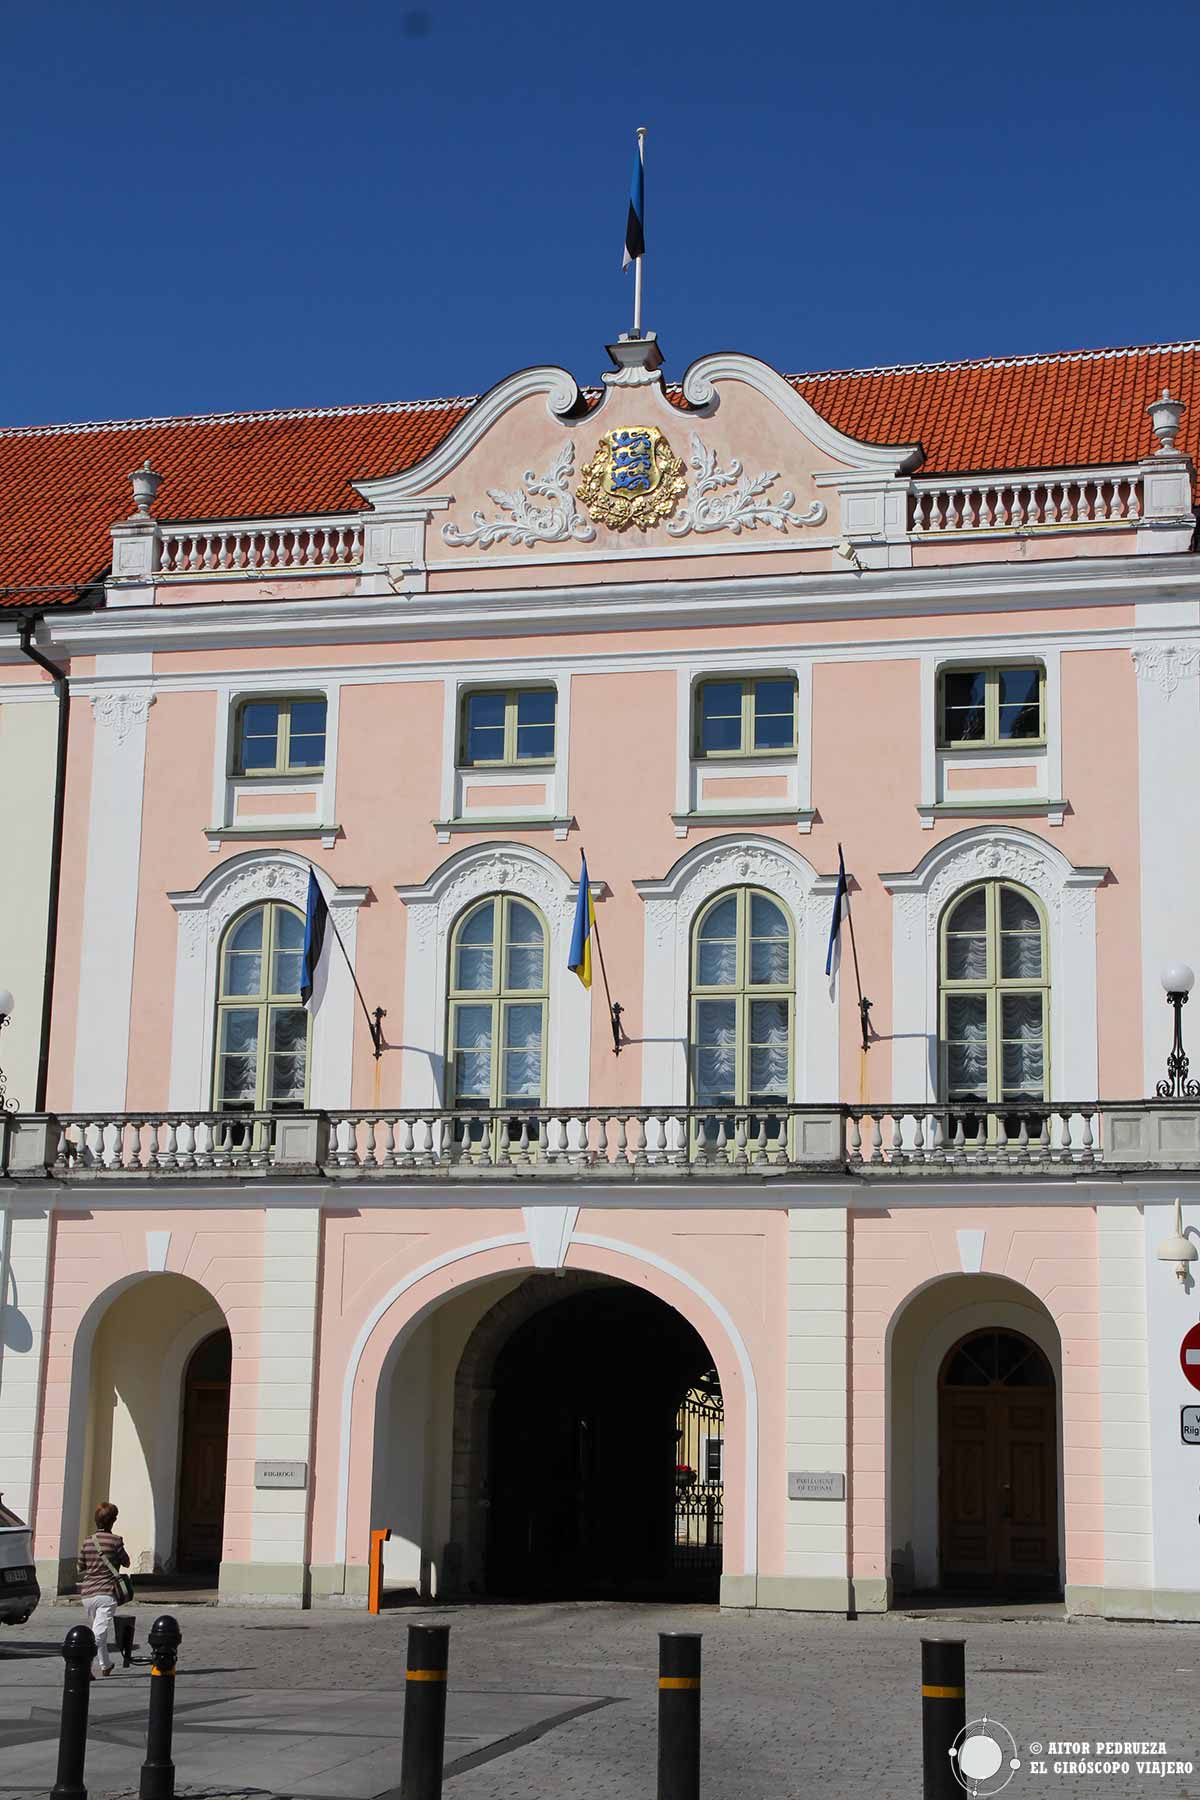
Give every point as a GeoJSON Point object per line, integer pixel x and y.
{"type": "Point", "coordinates": [634, 478]}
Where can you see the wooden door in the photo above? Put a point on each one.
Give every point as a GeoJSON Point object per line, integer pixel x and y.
{"type": "Point", "coordinates": [998, 1467]}
{"type": "Point", "coordinates": [203, 1454]}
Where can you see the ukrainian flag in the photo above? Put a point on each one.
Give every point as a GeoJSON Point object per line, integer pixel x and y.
{"type": "Point", "coordinates": [579, 960]}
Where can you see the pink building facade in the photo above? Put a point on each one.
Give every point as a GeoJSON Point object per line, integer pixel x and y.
{"type": "Point", "coordinates": [276, 1292]}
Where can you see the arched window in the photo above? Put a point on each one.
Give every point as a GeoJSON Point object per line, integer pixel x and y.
{"type": "Point", "coordinates": [262, 1028]}
{"type": "Point", "coordinates": [498, 996]}
{"type": "Point", "coordinates": [995, 996]}
{"type": "Point", "coordinates": [742, 1004]}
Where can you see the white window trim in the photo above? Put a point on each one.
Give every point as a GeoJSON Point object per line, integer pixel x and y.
{"type": "Point", "coordinates": [1068, 897]}
{"type": "Point", "coordinates": [225, 784]}
{"type": "Point", "coordinates": [555, 775]}
{"type": "Point", "coordinates": [432, 909]}
{"type": "Point", "coordinates": [1050, 801]}
{"type": "Point", "coordinates": [671, 908]}
{"type": "Point", "coordinates": [252, 879]}
{"type": "Point", "coordinates": [689, 768]}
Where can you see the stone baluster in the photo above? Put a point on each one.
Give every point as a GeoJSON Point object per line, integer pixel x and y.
{"type": "Point", "coordinates": [853, 1139]}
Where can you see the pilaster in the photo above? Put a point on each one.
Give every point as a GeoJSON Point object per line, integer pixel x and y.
{"type": "Point", "coordinates": [1124, 1399]}
{"type": "Point", "coordinates": [277, 1572]}
{"type": "Point", "coordinates": [815, 1532]}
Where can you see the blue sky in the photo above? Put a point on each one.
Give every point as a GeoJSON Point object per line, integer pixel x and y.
{"type": "Point", "coordinates": [221, 206]}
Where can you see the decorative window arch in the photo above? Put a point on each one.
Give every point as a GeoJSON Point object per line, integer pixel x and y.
{"type": "Point", "coordinates": [1066, 895]}
{"type": "Point", "coordinates": [257, 878]}
{"type": "Point", "coordinates": [672, 907]}
{"type": "Point", "coordinates": [434, 908]}
{"type": "Point", "coordinates": [263, 1029]}
{"type": "Point", "coordinates": [994, 977]}
{"type": "Point", "coordinates": [743, 984]}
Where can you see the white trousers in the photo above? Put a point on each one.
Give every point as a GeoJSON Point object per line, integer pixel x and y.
{"type": "Point", "coordinates": [100, 1609]}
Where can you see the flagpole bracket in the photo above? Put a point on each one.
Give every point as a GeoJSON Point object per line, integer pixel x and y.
{"type": "Point", "coordinates": [864, 1014]}
{"type": "Point", "coordinates": [376, 1022]}
{"type": "Point", "coordinates": [615, 1011]}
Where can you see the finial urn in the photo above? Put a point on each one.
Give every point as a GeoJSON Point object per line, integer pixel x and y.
{"type": "Point", "coordinates": [1165, 415]}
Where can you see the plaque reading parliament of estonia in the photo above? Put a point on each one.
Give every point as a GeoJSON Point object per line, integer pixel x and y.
{"type": "Point", "coordinates": [634, 478]}
{"type": "Point", "coordinates": [816, 1484]}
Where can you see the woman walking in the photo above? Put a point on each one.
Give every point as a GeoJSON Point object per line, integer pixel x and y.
{"type": "Point", "coordinates": [96, 1568]}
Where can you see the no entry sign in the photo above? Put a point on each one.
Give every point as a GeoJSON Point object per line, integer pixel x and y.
{"type": "Point", "coordinates": [1189, 1355]}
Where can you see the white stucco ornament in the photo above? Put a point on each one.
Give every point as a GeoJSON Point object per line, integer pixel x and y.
{"type": "Point", "coordinates": [730, 500]}
{"type": "Point", "coordinates": [1167, 664]}
{"type": "Point", "coordinates": [119, 710]}
{"type": "Point", "coordinates": [528, 523]}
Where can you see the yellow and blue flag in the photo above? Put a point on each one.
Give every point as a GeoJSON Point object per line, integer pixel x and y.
{"type": "Point", "coordinates": [579, 958]}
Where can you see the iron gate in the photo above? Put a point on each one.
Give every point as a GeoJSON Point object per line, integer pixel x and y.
{"type": "Point", "coordinates": [700, 1478]}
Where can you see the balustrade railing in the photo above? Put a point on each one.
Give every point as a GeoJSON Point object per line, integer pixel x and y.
{"type": "Point", "coordinates": [638, 1142]}
{"type": "Point", "coordinates": [1103, 497]}
{"type": "Point", "coordinates": [220, 549]}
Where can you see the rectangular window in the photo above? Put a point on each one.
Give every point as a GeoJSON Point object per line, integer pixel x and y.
{"type": "Point", "coordinates": [746, 717]}
{"type": "Point", "coordinates": [991, 707]}
{"type": "Point", "coordinates": [503, 727]}
{"type": "Point", "coordinates": [281, 737]}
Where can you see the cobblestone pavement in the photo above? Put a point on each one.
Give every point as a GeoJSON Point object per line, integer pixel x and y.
{"type": "Point", "coordinates": [560, 1700]}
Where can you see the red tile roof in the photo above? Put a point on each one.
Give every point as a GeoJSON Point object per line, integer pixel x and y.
{"type": "Point", "coordinates": [62, 486]}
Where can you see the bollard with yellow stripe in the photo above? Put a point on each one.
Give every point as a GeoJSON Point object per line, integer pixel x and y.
{"type": "Point", "coordinates": [424, 1746]}
{"type": "Point", "coordinates": [943, 1713]}
{"type": "Point", "coordinates": [678, 1715]}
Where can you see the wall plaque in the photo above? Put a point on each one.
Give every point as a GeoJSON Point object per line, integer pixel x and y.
{"type": "Point", "coordinates": [281, 1474]}
{"type": "Point", "coordinates": [816, 1484]}
{"type": "Point", "coordinates": [1189, 1424]}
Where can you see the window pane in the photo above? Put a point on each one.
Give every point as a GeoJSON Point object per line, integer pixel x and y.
{"type": "Point", "coordinates": [306, 750]}
{"type": "Point", "coordinates": [774, 715]}
{"type": "Point", "coordinates": [243, 972]}
{"type": "Point", "coordinates": [966, 939]}
{"type": "Point", "coordinates": [535, 724]}
{"type": "Point", "coordinates": [522, 1054]}
{"type": "Point", "coordinates": [770, 949]}
{"type": "Point", "coordinates": [966, 1044]}
{"type": "Point", "coordinates": [472, 1035]}
{"type": "Point", "coordinates": [237, 1062]}
{"type": "Point", "coordinates": [286, 969]}
{"type": "Point", "coordinates": [721, 716]}
{"type": "Point", "coordinates": [769, 1050]}
{"type": "Point", "coordinates": [485, 728]}
{"type": "Point", "coordinates": [526, 957]}
{"type": "Point", "coordinates": [1020, 709]}
{"type": "Point", "coordinates": [247, 933]}
{"type": "Point", "coordinates": [239, 1028]}
{"type": "Point", "coordinates": [289, 929]}
{"type": "Point", "coordinates": [308, 718]}
{"type": "Point", "coordinates": [289, 1028]}
{"type": "Point", "coordinates": [716, 1051]}
{"type": "Point", "coordinates": [287, 1064]}
{"type": "Point", "coordinates": [963, 712]}
{"type": "Point", "coordinates": [260, 734]}
{"type": "Point", "coordinates": [1021, 956]}
{"type": "Point", "coordinates": [1023, 1046]}
{"type": "Point", "coordinates": [1017, 912]}
{"type": "Point", "coordinates": [716, 964]}
{"type": "Point", "coordinates": [473, 951]}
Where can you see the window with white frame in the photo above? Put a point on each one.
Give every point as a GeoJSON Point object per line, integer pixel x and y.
{"type": "Point", "coordinates": [498, 1001]}
{"type": "Point", "coordinates": [995, 997]}
{"type": "Point", "coordinates": [743, 987]}
{"type": "Point", "coordinates": [991, 706]}
{"type": "Point", "coordinates": [262, 1035]}
{"type": "Point", "coordinates": [280, 736]}
{"type": "Point", "coordinates": [507, 727]}
{"type": "Point", "coordinates": [746, 716]}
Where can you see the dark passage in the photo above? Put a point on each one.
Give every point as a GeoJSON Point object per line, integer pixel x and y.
{"type": "Point", "coordinates": [595, 1490]}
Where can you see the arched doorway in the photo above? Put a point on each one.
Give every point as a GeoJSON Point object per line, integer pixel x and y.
{"type": "Point", "coordinates": [998, 1466]}
{"type": "Point", "coordinates": [203, 1446]}
{"type": "Point", "coordinates": [593, 1486]}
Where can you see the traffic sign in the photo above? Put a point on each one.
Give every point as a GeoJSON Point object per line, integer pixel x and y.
{"type": "Point", "coordinates": [1189, 1355]}
{"type": "Point", "coordinates": [1189, 1424]}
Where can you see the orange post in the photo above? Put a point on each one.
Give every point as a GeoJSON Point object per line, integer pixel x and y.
{"type": "Point", "coordinates": [375, 1570]}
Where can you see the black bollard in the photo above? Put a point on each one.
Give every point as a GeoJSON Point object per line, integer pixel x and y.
{"type": "Point", "coordinates": [424, 1744]}
{"type": "Point", "coordinates": [158, 1771]}
{"type": "Point", "coordinates": [678, 1715]}
{"type": "Point", "coordinates": [943, 1713]}
{"type": "Point", "coordinates": [79, 1649]}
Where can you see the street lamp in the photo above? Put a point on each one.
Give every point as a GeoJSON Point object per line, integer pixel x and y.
{"type": "Point", "coordinates": [6, 1011]}
{"type": "Point", "coordinates": [1177, 979]}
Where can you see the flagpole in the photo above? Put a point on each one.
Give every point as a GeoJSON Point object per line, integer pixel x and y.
{"type": "Point", "coordinates": [864, 1006]}
{"type": "Point", "coordinates": [374, 1022]}
{"type": "Point", "coordinates": [637, 263]}
{"type": "Point", "coordinates": [614, 1012]}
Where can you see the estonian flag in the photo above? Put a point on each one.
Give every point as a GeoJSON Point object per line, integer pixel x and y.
{"type": "Point", "coordinates": [833, 955]}
{"type": "Point", "coordinates": [316, 918]}
{"type": "Point", "coordinates": [579, 959]}
{"type": "Point", "coordinates": [635, 225]}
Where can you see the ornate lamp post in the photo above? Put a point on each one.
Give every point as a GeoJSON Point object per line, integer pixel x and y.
{"type": "Point", "coordinates": [1177, 979]}
{"type": "Point", "coordinates": [6, 1008]}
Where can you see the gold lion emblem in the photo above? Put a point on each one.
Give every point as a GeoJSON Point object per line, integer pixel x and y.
{"type": "Point", "coordinates": [634, 478]}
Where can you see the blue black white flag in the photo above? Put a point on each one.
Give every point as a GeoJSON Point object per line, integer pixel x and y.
{"type": "Point", "coordinates": [635, 224]}
{"type": "Point", "coordinates": [316, 920]}
{"type": "Point", "coordinates": [833, 955]}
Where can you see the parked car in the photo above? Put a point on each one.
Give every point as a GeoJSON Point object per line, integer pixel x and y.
{"type": "Point", "coordinates": [19, 1590]}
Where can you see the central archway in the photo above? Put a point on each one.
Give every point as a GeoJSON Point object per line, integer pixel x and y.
{"type": "Point", "coordinates": [589, 1447]}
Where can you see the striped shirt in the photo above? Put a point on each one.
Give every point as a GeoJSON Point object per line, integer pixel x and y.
{"type": "Point", "coordinates": [90, 1572]}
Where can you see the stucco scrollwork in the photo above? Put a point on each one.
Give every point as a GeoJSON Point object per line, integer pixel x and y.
{"type": "Point", "coordinates": [119, 710]}
{"type": "Point", "coordinates": [558, 521]}
{"type": "Point", "coordinates": [497, 873]}
{"type": "Point", "coordinates": [1167, 664]}
{"type": "Point", "coordinates": [730, 500]}
{"type": "Point", "coordinates": [991, 861]}
{"type": "Point", "coordinates": [203, 917]}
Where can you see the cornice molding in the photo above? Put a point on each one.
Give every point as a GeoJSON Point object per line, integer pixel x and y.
{"type": "Point", "coordinates": [631, 605]}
